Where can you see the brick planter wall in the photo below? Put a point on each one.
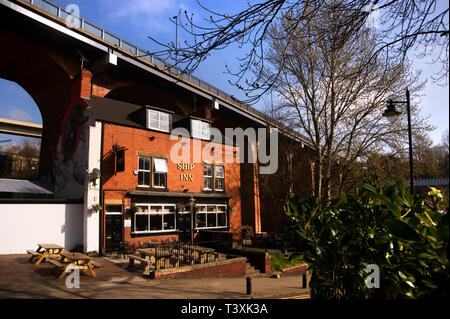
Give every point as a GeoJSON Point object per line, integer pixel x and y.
{"type": "Point", "coordinates": [234, 267]}
{"type": "Point", "coordinates": [261, 260]}
{"type": "Point", "coordinates": [295, 270]}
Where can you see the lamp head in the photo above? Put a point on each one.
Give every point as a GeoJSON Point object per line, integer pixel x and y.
{"type": "Point", "coordinates": [391, 113]}
{"type": "Point", "coordinates": [94, 175]}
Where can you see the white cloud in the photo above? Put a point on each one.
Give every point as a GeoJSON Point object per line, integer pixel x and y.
{"type": "Point", "coordinates": [19, 115]}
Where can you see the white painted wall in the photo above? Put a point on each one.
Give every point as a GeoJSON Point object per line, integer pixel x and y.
{"type": "Point", "coordinates": [22, 226]}
{"type": "Point", "coordinates": [91, 221]}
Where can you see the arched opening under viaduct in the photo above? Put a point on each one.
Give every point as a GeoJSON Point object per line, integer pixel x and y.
{"type": "Point", "coordinates": [35, 69]}
{"type": "Point", "coordinates": [20, 133]}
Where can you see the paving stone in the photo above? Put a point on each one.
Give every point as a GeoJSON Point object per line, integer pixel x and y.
{"type": "Point", "coordinates": [21, 279]}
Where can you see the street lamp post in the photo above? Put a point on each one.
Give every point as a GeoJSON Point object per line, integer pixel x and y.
{"type": "Point", "coordinates": [391, 113]}
{"type": "Point", "coordinates": [191, 204]}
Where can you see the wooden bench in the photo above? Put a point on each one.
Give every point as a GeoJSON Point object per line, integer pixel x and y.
{"type": "Point", "coordinates": [141, 260]}
{"type": "Point", "coordinates": [96, 264]}
{"type": "Point", "coordinates": [54, 262]}
{"type": "Point", "coordinates": [33, 254]}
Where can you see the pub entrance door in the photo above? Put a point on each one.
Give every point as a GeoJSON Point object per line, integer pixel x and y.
{"type": "Point", "coordinates": [113, 227]}
{"type": "Point", "coordinates": [184, 226]}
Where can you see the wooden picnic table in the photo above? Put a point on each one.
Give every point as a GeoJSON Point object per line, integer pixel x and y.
{"type": "Point", "coordinates": [45, 251]}
{"type": "Point", "coordinates": [157, 257]}
{"type": "Point", "coordinates": [71, 261]}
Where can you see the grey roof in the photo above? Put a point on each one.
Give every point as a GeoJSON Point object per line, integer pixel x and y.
{"type": "Point", "coordinates": [124, 113]}
{"type": "Point", "coordinates": [113, 111]}
{"type": "Point", "coordinates": [22, 186]}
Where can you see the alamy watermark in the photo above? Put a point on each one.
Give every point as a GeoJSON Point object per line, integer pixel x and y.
{"type": "Point", "coordinates": [73, 19]}
{"type": "Point", "coordinates": [255, 143]}
{"type": "Point", "coordinates": [373, 279]}
{"type": "Point", "coordinates": [73, 278]}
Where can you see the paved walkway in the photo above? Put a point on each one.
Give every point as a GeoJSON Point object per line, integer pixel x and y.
{"type": "Point", "coordinates": [21, 279]}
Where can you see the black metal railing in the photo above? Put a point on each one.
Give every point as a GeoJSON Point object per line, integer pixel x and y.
{"type": "Point", "coordinates": [179, 254]}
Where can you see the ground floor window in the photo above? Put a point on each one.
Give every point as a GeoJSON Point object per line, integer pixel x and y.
{"type": "Point", "coordinates": [211, 216]}
{"type": "Point", "coordinates": [154, 218]}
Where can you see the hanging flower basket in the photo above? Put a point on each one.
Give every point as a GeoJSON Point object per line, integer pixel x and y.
{"type": "Point", "coordinates": [96, 208]}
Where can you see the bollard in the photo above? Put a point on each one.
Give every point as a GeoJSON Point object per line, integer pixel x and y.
{"type": "Point", "coordinates": [304, 281]}
{"type": "Point", "coordinates": [249, 285]}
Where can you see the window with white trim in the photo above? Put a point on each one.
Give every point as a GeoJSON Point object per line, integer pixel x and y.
{"type": "Point", "coordinates": [219, 177]}
{"type": "Point", "coordinates": [154, 218]}
{"type": "Point", "coordinates": [213, 177]}
{"type": "Point", "coordinates": [208, 177]}
{"type": "Point", "coordinates": [211, 216]}
{"type": "Point", "coordinates": [160, 173]}
{"type": "Point", "coordinates": [158, 120]}
{"type": "Point", "coordinates": [144, 171]}
{"type": "Point", "coordinates": [200, 129]}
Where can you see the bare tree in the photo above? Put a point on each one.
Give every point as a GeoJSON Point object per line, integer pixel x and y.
{"type": "Point", "coordinates": [21, 160]}
{"type": "Point", "coordinates": [331, 90]}
{"type": "Point", "coordinates": [403, 25]}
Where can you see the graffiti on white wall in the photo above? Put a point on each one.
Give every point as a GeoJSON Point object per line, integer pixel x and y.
{"type": "Point", "coordinates": [71, 160]}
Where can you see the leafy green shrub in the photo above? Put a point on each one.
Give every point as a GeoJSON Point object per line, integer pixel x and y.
{"type": "Point", "coordinates": [405, 235]}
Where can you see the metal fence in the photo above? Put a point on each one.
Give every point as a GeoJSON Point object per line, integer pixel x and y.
{"type": "Point", "coordinates": [181, 254]}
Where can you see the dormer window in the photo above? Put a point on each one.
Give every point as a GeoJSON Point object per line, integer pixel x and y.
{"type": "Point", "coordinates": [158, 120]}
{"type": "Point", "coordinates": [200, 129]}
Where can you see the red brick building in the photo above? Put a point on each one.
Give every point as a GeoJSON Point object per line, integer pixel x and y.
{"type": "Point", "coordinates": [146, 195]}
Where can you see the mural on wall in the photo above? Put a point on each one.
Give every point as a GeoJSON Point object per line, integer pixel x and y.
{"type": "Point", "coordinates": [72, 152]}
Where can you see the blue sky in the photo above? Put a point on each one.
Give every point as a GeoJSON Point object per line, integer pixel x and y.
{"type": "Point", "coordinates": [134, 20]}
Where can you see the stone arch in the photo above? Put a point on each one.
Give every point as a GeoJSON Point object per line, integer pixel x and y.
{"type": "Point", "coordinates": [50, 86]}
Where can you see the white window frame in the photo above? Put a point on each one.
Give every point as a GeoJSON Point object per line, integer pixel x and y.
{"type": "Point", "coordinates": [148, 213]}
{"type": "Point", "coordinates": [215, 213]}
{"type": "Point", "coordinates": [113, 213]}
{"type": "Point", "coordinates": [222, 178]}
{"type": "Point", "coordinates": [204, 130]}
{"type": "Point", "coordinates": [146, 171]}
{"type": "Point", "coordinates": [158, 120]}
{"type": "Point", "coordinates": [212, 176]}
{"type": "Point", "coordinates": [155, 172]}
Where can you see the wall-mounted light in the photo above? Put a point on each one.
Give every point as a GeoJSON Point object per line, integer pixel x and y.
{"type": "Point", "coordinates": [94, 175]}
{"type": "Point", "coordinates": [151, 138]}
